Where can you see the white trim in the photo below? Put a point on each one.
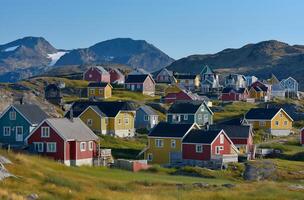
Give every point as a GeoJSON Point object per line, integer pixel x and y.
{"type": "Point", "coordinates": [83, 148]}
{"type": "Point", "coordinates": [55, 147]}
{"type": "Point", "coordinates": [12, 106]}
{"type": "Point", "coordinates": [91, 145]}
{"type": "Point", "coordinates": [199, 145]}
{"type": "Point", "coordinates": [16, 133]}
{"type": "Point", "coordinates": [9, 128]}
{"type": "Point", "coordinates": [284, 112]}
{"type": "Point", "coordinates": [39, 150]}
{"type": "Point", "coordinates": [41, 132]}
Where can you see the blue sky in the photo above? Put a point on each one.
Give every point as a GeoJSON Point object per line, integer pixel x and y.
{"type": "Point", "coordinates": [178, 27]}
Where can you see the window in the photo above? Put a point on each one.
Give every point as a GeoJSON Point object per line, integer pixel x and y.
{"type": "Point", "coordinates": [19, 130]}
{"type": "Point", "coordinates": [198, 148]}
{"type": "Point", "coordinates": [200, 116]}
{"type": "Point", "coordinates": [281, 115]}
{"type": "Point", "coordinates": [173, 144]}
{"type": "Point", "coordinates": [138, 86]}
{"type": "Point", "coordinates": [100, 91]}
{"type": "Point", "coordinates": [202, 108]}
{"type": "Point", "coordinates": [6, 131]}
{"type": "Point", "coordinates": [126, 120]}
{"type": "Point", "coordinates": [185, 117]}
{"type": "Point", "coordinates": [206, 118]}
{"type": "Point", "coordinates": [218, 149]}
{"type": "Point", "coordinates": [106, 120]}
{"type": "Point", "coordinates": [38, 146]}
{"type": "Point", "coordinates": [176, 118]}
{"type": "Point", "coordinates": [83, 146]}
{"type": "Point", "coordinates": [262, 123]}
{"type": "Point", "coordinates": [89, 122]}
{"type": "Point", "coordinates": [90, 75]}
{"type": "Point", "coordinates": [91, 145]}
{"type": "Point", "coordinates": [12, 115]}
{"type": "Point", "coordinates": [149, 157]}
{"type": "Point", "coordinates": [222, 138]}
{"type": "Point", "coordinates": [51, 147]}
{"type": "Point", "coordinates": [285, 123]}
{"type": "Point", "coordinates": [277, 123]}
{"type": "Point", "coordinates": [91, 91]}
{"type": "Point", "coordinates": [159, 143]}
{"type": "Point", "coordinates": [146, 118]}
{"type": "Point", "coordinates": [119, 121]}
{"type": "Point", "coordinates": [45, 132]}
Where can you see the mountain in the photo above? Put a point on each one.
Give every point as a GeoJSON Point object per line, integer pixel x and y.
{"type": "Point", "coordinates": [260, 59]}
{"type": "Point", "coordinates": [135, 53]}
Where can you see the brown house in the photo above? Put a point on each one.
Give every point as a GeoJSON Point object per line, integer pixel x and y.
{"type": "Point", "coordinates": [141, 83]}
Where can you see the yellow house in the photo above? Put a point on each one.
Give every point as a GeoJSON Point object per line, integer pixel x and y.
{"type": "Point", "coordinates": [188, 81]}
{"type": "Point", "coordinates": [165, 142]}
{"type": "Point", "coordinates": [256, 93]}
{"type": "Point", "coordinates": [99, 90]}
{"type": "Point", "coordinates": [275, 120]}
{"type": "Point", "coordinates": [112, 117]}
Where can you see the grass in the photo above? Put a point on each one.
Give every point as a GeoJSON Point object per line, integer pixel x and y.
{"type": "Point", "coordinates": [231, 110]}
{"type": "Point", "coordinates": [50, 180]}
{"type": "Point", "coordinates": [121, 94]}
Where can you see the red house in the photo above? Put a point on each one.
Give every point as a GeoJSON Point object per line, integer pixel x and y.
{"type": "Point", "coordinates": [208, 145]}
{"type": "Point", "coordinates": [96, 74]}
{"type": "Point", "coordinates": [241, 136]}
{"type": "Point", "coordinates": [69, 141]}
{"type": "Point", "coordinates": [116, 76]}
{"type": "Point", "coordinates": [231, 94]}
{"type": "Point", "coordinates": [172, 97]}
{"type": "Point", "coordinates": [302, 137]}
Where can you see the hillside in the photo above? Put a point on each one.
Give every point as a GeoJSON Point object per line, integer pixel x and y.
{"type": "Point", "coordinates": [260, 59]}
{"type": "Point", "coordinates": [135, 53]}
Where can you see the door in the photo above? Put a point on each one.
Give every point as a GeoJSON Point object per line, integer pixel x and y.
{"type": "Point", "coordinates": [132, 87]}
{"type": "Point", "coordinates": [19, 134]}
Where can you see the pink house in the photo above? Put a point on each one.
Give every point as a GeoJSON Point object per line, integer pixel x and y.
{"type": "Point", "coordinates": [116, 76]}
{"type": "Point", "coordinates": [97, 74]}
{"type": "Point", "coordinates": [69, 141]}
{"type": "Point", "coordinates": [302, 137]}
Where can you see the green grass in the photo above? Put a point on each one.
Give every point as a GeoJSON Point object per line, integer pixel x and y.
{"type": "Point", "coordinates": [121, 94]}
{"type": "Point", "coordinates": [231, 110]}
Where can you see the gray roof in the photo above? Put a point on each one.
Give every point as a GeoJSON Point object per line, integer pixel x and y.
{"type": "Point", "coordinates": [72, 130]}
{"type": "Point", "coordinates": [234, 131]}
{"type": "Point", "coordinates": [147, 110]}
{"type": "Point", "coordinates": [31, 112]}
{"type": "Point", "coordinates": [102, 70]}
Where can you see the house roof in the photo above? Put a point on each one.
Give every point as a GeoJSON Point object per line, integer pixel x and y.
{"type": "Point", "coordinates": [185, 76]}
{"type": "Point", "coordinates": [277, 87]}
{"type": "Point", "coordinates": [234, 131]}
{"type": "Point", "coordinates": [98, 84]}
{"type": "Point", "coordinates": [33, 113]}
{"type": "Point", "coordinates": [234, 121]}
{"type": "Point", "coordinates": [101, 69]}
{"type": "Point", "coordinates": [165, 129]}
{"type": "Point", "coordinates": [138, 71]}
{"type": "Point", "coordinates": [230, 89]}
{"type": "Point", "coordinates": [148, 110]}
{"type": "Point", "coordinates": [262, 113]}
{"type": "Point", "coordinates": [117, 71]}
{"type": "Point", "coordinates": [109, 108]}
{"type": "Point", "coordinates": [207, 70]}
{"type": "Point", "coordinates": [186, 107]}
{"type": "Point", "coordinates": [72, 129]}
{"type": "Point", "coordinates": [201, 136]}
{"type": "Point", "coordinates": [136, 78]}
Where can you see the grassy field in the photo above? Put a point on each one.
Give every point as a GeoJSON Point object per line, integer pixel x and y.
{"type": "Point", "coordinates": [51, 180]}
{"type": "Point", "coordinates": [235, 109]}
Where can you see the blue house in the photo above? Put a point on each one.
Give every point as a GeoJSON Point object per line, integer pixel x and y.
{"type": "Point", "coordinates": [189, 112]}
{"type": "Point", "coordinates": [146, 118]}
{"type": "Point", "coordinates": [17, 121]}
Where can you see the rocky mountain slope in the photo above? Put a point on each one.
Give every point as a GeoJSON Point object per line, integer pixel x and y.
{"type": "Point", "coordinates": [135, 53]}
{"type": "Point", "coordinates": [259, 59]}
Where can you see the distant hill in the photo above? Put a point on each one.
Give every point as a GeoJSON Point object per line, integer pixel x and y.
{"type": "Point", "coordinates": [126, 51]}
{"type": "Point", "coordinates": [260, 59]}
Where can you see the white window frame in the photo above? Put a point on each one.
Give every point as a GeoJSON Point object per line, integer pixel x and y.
{"type": "Point", "coordinates": [149, 156]}
{"type": "Point", "coordinates": [126, 120]}
{"type": "Point", "coordinates": [218, 150]}
{"type": "Point", "coordinates": [21, 127]}
{"type": "Point", "coordinates": [83, 146]}
{"type": "Point", "coordinates": [173, 144]}
{"type": "Point", "coordinates": [146, 117]}
{"type": "Point", "coordinates": [186, 117]}
{"type": "Point", "coordinates": [39, 148]}
{"type": "Point", "coordinates": [262, 123]}
{"type": "Point", "coordinates": [91, 145]}
{"type": "Point", "coordinates": [4, 131]}
{"type": "Point", "coordinates": [222, 139]}
{"type": "Point", "coordinates": [198, 148]}
{"type": "Point", "coordinates": [45, 134]}
{"type": "Point", "coordinates": [200, 116]}
{"type": "Point", "coordinates": [90, 122]}
{"type": "Point", "coordinates": [100, 91]}
{"type": "Point", "coordinates": [119, 121]}
{"type": "Point", "coordinates": [12, 115]}
{"type": "Point", "coordinates": [159, 143]}
{"type": "Point", "coordinates": [277, 123]}
{"type": "Point", "coordinates": [48, 150]}
{"type": "Point", "coordinates": [91, 91]}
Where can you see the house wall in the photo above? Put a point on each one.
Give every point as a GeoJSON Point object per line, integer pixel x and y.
{"type": "Point", "coordinates": [302, 137]}
{"type": "Point", "coordinates": [189, 152]}
{"type": "Point", "coordinates": [230, 97]}
{"type": "Point", "coordinates": [104, 93]}
{"type": "Point", "coordinates": [117, 126]}
{"type": "Point", "coordinates": [281, 120]}
{"type": "Point", "coordinates": [54, 137]}
{"type": "Point", "coordinates": [172, 97]}
{"type": "Point", "coordinates": [98, 123]}
{"type": "Point", "coordinates": [163, 77]}
{"type": "Point", "coordinates": [115, 77]}
{"type": "Point", "coordinates": [6, 122]}
{"type": "Point", "coordinates": [149, 86]}
{"type": "Point", "coordinates": [190, 120]}
{"type": "Point", "coordinates": [226, 145]}
{"type": "Point", "coordinates": [92, 75]}
{"type": "Point", "coordinates": [162, 155]}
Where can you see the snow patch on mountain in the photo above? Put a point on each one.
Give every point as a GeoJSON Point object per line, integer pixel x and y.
{"type": "Point", "coordinates": [55, 57]}
{"type": "Point", "coordinates": [11, 48]}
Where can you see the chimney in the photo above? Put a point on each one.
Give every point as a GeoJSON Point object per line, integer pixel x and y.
{"type": "Point", "coordinates": [71, 116]}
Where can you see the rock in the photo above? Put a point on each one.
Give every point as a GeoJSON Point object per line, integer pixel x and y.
{"type": "Point", "coordinates": [4, 160]}
{"type": "Point", "coordinates": [200, 185]}
{"type": "Point", "coordinates": [229, 185]}
{"type": "Point", "coordinates": [260, 170]}
{"type": "Point", "coordinates": [32, 197]}
{"type": "Point", "coordinates": [296, 187]}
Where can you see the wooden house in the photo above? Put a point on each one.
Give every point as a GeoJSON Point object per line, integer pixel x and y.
{"type": "Point", "coordinates": [291, 86]}
{"type": "Point", "coordinates": [188, 81]}
{"type": "Point", "coordinates": [164, 76]}
{"type": "Point", "coordinates": [99, 90]}
{"type": "Point", "coordinates": [302, 137]}
{"type": "Point", "coordinates": [235, 81]}
{"type": "Point", "coordinates": [275, 120]}
{"type": "Point", "coordinates": [143, 83]}
{"type": "Point", "coordinates": [146, 118]}
{"type": "Point", "coordinates": [96, 74]}
{"type": "Point", "coordinates": [209, 81]}
{"type": "Point", "coordinates": [17, 122]}
{"type": "Point", "coordinates": [116, 77]}
{"type": "Point", "coordinates": [189, 112]}
{"type": "Point", "coordinates": [69, 141]}
{"type": "Point", "coordinates": [202, 145]}
{"type": "Point", "coordinates": [231, 94]}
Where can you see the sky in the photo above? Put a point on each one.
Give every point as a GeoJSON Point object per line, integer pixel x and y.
{"type": "Point", "coordinates": [177, 27]}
